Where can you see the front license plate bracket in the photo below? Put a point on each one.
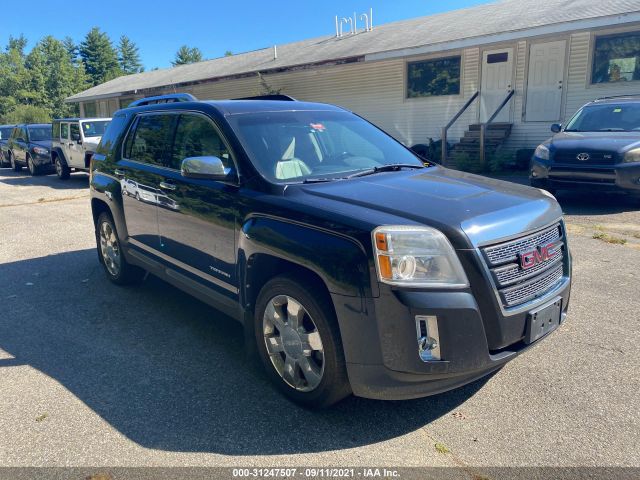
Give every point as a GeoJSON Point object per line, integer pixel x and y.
{"type": "Point", "coordinates": [543, 320]}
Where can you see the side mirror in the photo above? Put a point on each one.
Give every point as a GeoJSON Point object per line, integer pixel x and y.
{"type": "Point", "coordinates": [76, 137]}
{"type": "Point", "coordinates": [204, 167]}
{"type": "Point", "coordinates": [556, 127]}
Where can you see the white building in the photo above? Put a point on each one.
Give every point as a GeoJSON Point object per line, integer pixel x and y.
{"type": "Point", "coordinates": [411, 77]}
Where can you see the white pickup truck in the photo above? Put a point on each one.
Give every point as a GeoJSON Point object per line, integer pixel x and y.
{"type": "Point", "coordinates": [74, 141]}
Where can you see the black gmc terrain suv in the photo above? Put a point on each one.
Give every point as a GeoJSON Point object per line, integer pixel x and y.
{"type": "Point", "coordinates": [353, 266]}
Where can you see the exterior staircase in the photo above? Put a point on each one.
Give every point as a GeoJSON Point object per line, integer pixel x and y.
{"type": "Point", "coordinates": [469, 145]}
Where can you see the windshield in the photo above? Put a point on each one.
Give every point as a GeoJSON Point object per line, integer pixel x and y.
{"type": "Point", "coordinates": [606, 118]}
{"type": "Point", "coordinates": [94, 129]}
{"type": "Point", "coordinates": [37, 134]}
{"type": "Point", "coordinates": [5, 133]}
{"type": "Point", "coordinates": [304, 145]}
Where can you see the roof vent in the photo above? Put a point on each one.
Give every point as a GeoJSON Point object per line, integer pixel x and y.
{"type": "Point", "coordinates": [353, 23]}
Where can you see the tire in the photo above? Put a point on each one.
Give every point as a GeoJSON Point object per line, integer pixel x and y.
{"type": "Point", "coordinates": [3, 160]}
{"type": "Point", "coordinates": [62, 170]}
{"type": "Point", "coordinates": [110, 254]}
{"type": "Point", "coordinates": [14, 164]}
{"type": "Point", "coordinates": [34, 170]}
{"type": "Point", "coordinates": [312, 352]}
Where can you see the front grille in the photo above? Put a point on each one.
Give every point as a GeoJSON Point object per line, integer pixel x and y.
{"type": "Point", "coordinates": [596, 157]}
{"type": "Point", "coordinates": [517, 285]}
{"type": "Point", "coordinates": [530, 290]}
{"type": "Point", "coordinates": [508, 251]}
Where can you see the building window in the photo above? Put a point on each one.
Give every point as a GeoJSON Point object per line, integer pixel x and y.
{"type": "Point", "coordinates": [616, 58]}
{"type": "Point", "coordinates": [433, 77]}
{"type": "Point", "coordinates": [90, 109]}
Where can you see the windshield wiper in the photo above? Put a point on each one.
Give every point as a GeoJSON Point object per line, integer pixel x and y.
{"type": "Point", "coordinates": [393, 167]}
{"type": "Point", "coordinates": [318, 180]}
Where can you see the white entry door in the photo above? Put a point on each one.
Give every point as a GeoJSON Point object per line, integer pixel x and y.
{"type": "Point", "coordinates": [497, 78]}
{"type": "Point", "coordinates": [544, 85]}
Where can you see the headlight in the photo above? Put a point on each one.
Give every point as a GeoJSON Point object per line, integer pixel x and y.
{"type": "Point", "coordinates": [40, 151]}
{"type": "Point", "coordinates": [632, 156]}
{"type": "Point", "coordinates": [416, 256]}
{"type": "Point", "coordinates": [542, 152]}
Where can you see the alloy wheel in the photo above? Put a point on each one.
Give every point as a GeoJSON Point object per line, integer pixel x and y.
{"type": "Point", "coordinates": [32, 167]}
{"type": "Point", "coordinates": [109, 249]}
{"type": "Point", "coordinates": [293, 343]}
{"type": "Point", "coordinates": [58, 167]}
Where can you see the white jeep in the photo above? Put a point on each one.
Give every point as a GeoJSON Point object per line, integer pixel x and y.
{"type": "Point", "coordinates": [74, 141]}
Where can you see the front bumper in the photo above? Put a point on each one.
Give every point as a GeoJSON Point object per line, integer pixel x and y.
{"type": "Point", "coordinates": [624, 177]}
{"type": "Point", "coordinates": [380, 341]}
{"type": "Point", "coordinates": [41, 160]}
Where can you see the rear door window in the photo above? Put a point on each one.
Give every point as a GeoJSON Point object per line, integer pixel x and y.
{"type": "Point", "coordinates": [150, 141]}
{"type": "Point", "coordinates": [64, 131]}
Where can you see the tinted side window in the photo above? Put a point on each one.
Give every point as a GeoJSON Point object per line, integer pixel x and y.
{"type": "Point", "coordinates": [197, 137]}
{"type": "Point", "coordinates": [64, 130]}
{"type": "Point", "coordinates": [151, 139]}
{"type": "Point", "coordinates": [75, 131]}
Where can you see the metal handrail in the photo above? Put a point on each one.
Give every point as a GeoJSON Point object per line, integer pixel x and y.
{"type": "Point", "coordinates": [483, 126]}
{"type": "Point", "coordinates": [451, 122]}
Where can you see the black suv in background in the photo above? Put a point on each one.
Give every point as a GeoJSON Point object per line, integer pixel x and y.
{"type": "Point", "coordinates": [30, 146]}
{"type": "Point", "coordinates": [353, 266]}
{"type": "Point", "coordinates": [5, 133]}
{"type": "Point", "coordinates": [598, 148]}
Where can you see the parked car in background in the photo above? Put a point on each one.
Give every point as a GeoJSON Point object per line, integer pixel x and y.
{"type": "Point", "coordinates": [5, 133]}
{"type": "Point", "coordinates": [352, 264]}
{"type": "Point", "coordinates": [30, 146]}
{"type": "Point", "coordinates": [598, 148]}
{"type": "Point", "coordinates": [74, 141]}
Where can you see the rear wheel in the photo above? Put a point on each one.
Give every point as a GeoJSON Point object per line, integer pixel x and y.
{"type": "Point", "coordinates": [14, 164]}
{"type": "Point", "coordinates": [299, 342]}
{"type": "Point", "coordinates": [118, 270]}
{"type": "Point", "coordinates": [62, 170]}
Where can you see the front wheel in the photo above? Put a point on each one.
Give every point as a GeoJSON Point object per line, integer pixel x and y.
{"type": "Point", "coordinates": [33, 168]}
{"type": "Point", "coordinates": [118, 270]}
{"type": "Point", "coordinates": [62, 170]}
{"type": "Point", "coordinates": [299, 342]}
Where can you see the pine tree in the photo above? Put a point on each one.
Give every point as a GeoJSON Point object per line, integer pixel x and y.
{"type": "Point", "coordinates": [128, 56]}
{"type": "Point", "coordinates": [186, 55]}
{"type": "Point", "coordinates": [72, 49]}
{"type": "Point", "coordinates": [99, 56]}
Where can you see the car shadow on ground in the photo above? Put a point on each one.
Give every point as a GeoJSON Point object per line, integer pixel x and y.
{"type": "Point", "coordinates": [22, 178]}
{"type": "Point", "coordinates": [580, 202]}
{"type": "Point", "coordinates": [171, 373]}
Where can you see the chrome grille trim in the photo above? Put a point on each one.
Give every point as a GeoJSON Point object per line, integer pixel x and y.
{"type": "Point", "coordinates": [512, 273]}
{"type": "Point", "coordinates": [508, 251]}
{"type": "Point", "coordinates": [535, 288]}
{"type": "Point", "coordinates": [515, 286]}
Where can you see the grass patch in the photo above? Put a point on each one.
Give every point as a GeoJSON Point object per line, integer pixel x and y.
{"type": "Point", "coordinates": [441, 448]}
{"type": "Point", "coordinates": [609, 239]}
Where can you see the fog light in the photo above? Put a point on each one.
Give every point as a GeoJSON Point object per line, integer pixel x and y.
{"type": "Point", "coordinates": [534, 173]}
{"type": "Point", "coordinates": [428, 338]}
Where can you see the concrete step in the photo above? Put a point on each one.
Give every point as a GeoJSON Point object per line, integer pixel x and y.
{"type": "Point", "coordinates": [492, 126]}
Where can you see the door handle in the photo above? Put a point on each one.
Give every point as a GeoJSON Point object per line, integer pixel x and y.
{"type": "Point", "coordinates": [118, 172]}
{"type": "Point", "coordinates": [167, 186]}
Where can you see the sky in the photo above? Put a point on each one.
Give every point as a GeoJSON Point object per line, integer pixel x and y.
{"type": "Point", "coordinates": [160, 27]}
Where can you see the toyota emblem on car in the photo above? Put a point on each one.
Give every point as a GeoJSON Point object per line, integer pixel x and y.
{"type": "Point", "coordinates": [583, 157]}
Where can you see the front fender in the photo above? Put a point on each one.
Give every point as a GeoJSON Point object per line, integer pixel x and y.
{"type": "Point", "coordinates": [340, 261]}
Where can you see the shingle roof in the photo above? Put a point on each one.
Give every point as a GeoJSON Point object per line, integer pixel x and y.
{"type": "Point", "coordinates": [480, 21]}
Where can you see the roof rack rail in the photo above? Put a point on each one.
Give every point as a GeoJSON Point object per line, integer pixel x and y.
{"type": "Point", "coordinates": [277, 96]}
{"type": "Point", "coordinates": [171, 98]}
{"type": "Point", "coordinates": [618, 96]}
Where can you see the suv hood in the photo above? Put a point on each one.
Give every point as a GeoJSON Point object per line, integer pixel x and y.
{"type": "Point", "coordinates": [455, 202]}
{"type": "Point", "coordinates": [42, 143]}
{"type": "Point", "coordinates": [92, 142]}
{"type": "Point", "coordinates": [608, 141]}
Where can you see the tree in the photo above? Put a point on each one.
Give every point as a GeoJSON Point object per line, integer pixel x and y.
{"type": "Point", "coordinates": [129, 56]}
{"type": "Point", "coordinates": [228, 53]}
{"type": "Point", "coordinates": [186, 55]}
{"type": "Point", "coordinates": [72, 49]}
{"type": "Point", "coordinates": [27, 114]}
{"type": "Point", "coordinates": [99, 56]}
{"type": "Point", "coordinates": [14, 75]}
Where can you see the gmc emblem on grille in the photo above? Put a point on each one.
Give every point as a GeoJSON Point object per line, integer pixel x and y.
{"type": "Point", "coordinates": [537, 256]}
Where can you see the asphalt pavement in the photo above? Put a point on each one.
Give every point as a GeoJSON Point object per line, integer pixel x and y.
{"type": "Point", "coordinates": [92, 374]}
